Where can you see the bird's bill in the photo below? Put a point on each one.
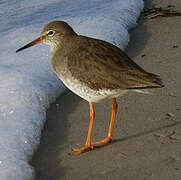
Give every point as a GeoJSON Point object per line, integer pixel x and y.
{"type": "Point", "coordinates": [36, 41]}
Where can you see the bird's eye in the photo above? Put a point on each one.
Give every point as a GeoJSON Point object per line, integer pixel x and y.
{"type": "Point", "coordinates": [50, 33]}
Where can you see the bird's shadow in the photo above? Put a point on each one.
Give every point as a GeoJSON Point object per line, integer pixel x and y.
{"type": "Point", "coordinates": [147, 132]}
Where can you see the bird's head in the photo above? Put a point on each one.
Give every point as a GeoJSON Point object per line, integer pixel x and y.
{"type": "Point", "coordinates": [53, 33]}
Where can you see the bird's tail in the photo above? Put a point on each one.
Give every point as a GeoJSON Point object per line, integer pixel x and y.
{"type": "Point", "coordinates": [155, 80]}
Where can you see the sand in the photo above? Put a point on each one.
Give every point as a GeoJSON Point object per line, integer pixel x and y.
{"type": "Point", "coordinates": [148, 127]}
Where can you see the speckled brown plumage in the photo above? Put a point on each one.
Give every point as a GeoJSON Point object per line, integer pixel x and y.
{"type": "Point", "coordinates": [101, 65]}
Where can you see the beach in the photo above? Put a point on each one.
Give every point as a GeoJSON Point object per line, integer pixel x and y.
{"type": "Point", "coordinates": [147, 133]}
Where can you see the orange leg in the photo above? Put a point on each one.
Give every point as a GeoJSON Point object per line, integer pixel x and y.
{"type": "Point", "coordinates": [109, 137]}
{"type": "Point", "coordinates": [88, 146]}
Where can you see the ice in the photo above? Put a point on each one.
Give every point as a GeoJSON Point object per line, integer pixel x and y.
{"type": "Point", "coordinates": [27, 83]}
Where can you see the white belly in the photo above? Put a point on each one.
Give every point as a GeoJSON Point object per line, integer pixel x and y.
{"type": "Point", "coordinates": [89, 94]}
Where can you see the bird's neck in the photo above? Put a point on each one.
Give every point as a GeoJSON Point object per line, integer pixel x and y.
{"type": "Point", "coordinates": [54, 48]}
{"type": "Point", "coordinates": [61, 44]}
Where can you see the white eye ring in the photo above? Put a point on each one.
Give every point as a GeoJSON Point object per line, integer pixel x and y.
{"type": "Point", "coordinates": [50, 33]}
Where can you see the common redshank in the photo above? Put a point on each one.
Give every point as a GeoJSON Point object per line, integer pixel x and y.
{"type": "Point", "coordinates": [94, 70]}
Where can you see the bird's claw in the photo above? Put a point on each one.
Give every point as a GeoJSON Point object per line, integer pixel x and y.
{"type": "Point", "coordinates": [83, 149]}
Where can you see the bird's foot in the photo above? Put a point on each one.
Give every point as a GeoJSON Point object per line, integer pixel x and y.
{"type": "Point", "coordinates": [103, 142]}
{"type": "Point", "coordinates": [83, 149]}
{"type": "Point", "coordinates": [90, 147]}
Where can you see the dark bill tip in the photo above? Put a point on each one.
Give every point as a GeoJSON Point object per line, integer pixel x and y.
{"type": "Point", "coordinates": [36, 41]}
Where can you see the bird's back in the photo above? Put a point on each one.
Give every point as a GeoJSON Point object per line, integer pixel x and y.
{"type": "Point", "coordinates": [101, 65]}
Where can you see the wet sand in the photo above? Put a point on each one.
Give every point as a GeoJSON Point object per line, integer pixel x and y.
{"type": "Point", "coordinates": [147, 132]}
